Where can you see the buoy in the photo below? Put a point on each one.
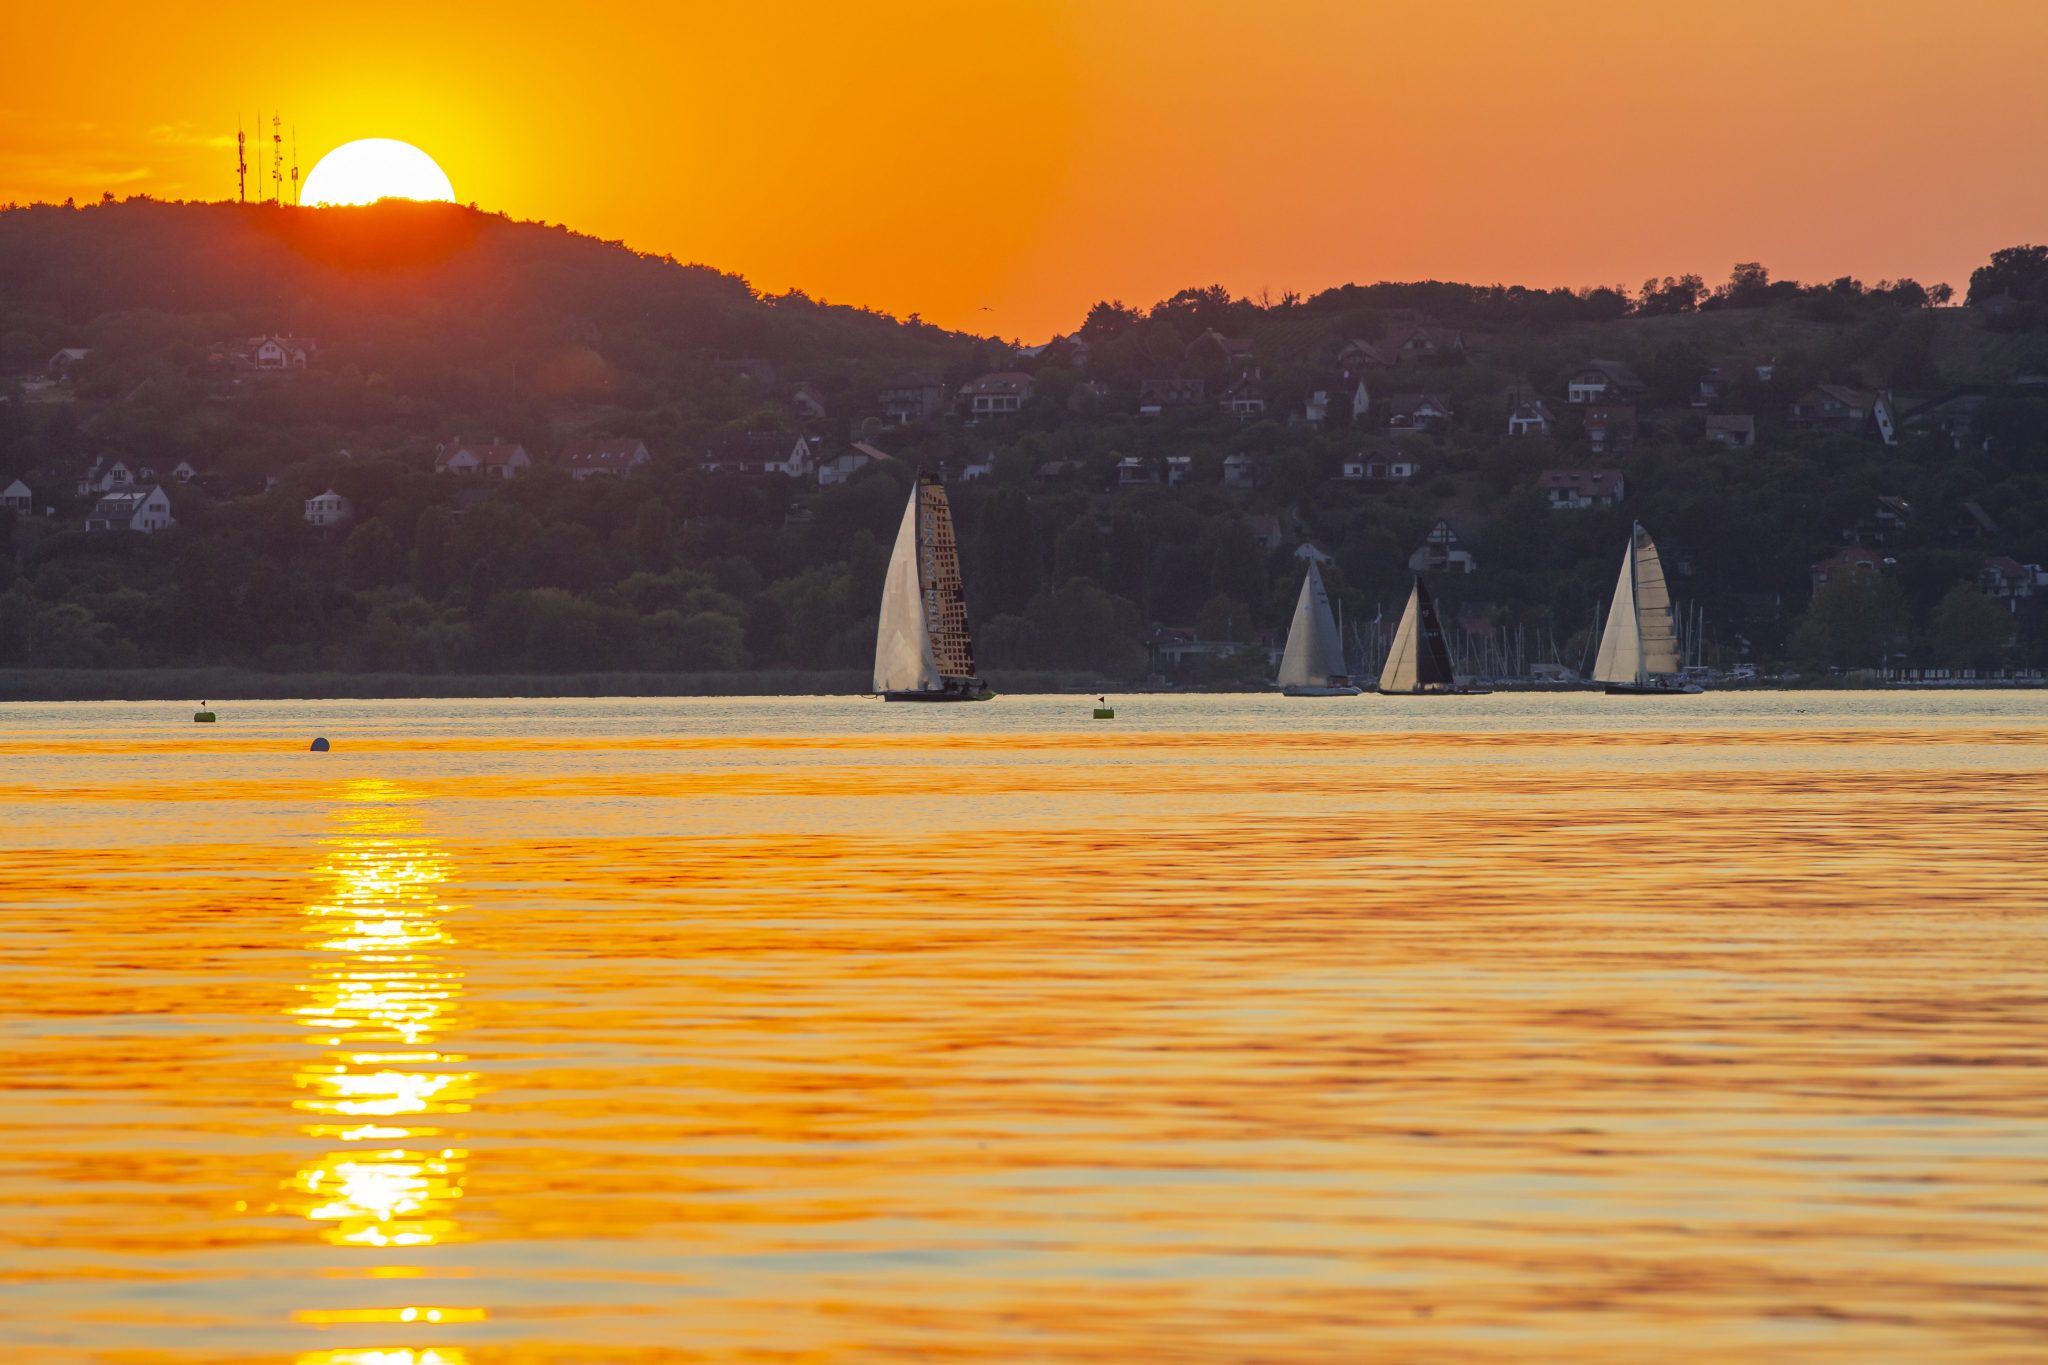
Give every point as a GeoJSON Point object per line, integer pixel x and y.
{"type": "Point", "coordinates": [1104, 711]}
{"type": "Point", "coordinates": [203, 717]}
{"type": "Point", "coordinates": [320, 745]}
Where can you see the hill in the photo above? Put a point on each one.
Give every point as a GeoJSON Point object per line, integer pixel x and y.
{"type": "Point", "coordinates": [125, 332]}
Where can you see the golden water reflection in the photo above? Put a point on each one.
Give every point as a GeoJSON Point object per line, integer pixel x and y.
{"type": "Point", "coordinates": [382, 1085]}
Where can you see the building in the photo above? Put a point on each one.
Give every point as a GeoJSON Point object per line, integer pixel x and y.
{"type": "Point", "coordinates": [2004, 579]}
{"type": "Point", "coordinates": [1000, 394]}
{"type": "Point", "coordinates": [968, 469]}
{"type": "Point", "coordinates": [1603, 381]}
{"type": "Point", "coordinates": [1418, 412]}
{"type": "Point", "coordinates": [1179, 469]}
{"type": "Point", "coordinates": [145, 510]}
{"type": "Point", "coordinates": [1737, 430]}
{"type": "Point", "coordinates": [1720, 380]}
{"type": "Point", "coordinates": [330, 509]}
{"type": "Point", "coordinates": [1392, 467]}
{"type": "Point", "coordinates": [607, 458]}
{"type": "Point", "coordinates": [1215, 351]}
{"type": "Point", "coordinates": [481, 459]}
{"type": "Point", "coordinates": [850, 462]}
{"type": "Point", "coordinates": [1442, 552]}
{"type": "Point", "coordinates": [1156, 396]}
{"type": "Point", "coordinates": [61, 364]}
{"type": "Point", "coordinates": [1530, 418]}
{"type": "Point", "coordinates": [110, 476]}
{"type": "Point", "coordinates": [16, 497]}
{"type": "Point", "coordinates": [1570, 489]}
{"type": "Point", "coordinates": [1245, 396]}
{"type": "Point", "coordinates": [1137, 471]}
{"type": "Point", "coordinates": [760, 452]}
{"type": "Point", "coordinates": [1610, 428]}
{"type": "Point", "coordinates": [914, 398]}
{"type": "Point", "coordinates": [1352, 469]}
{"type": "Point", "coordinates": [183, 471]}
{"type": "Point", "coordinates": [1344, 399]}
{"type": "Point", "coordinates": [1424, 343]}
{"type": "Point", "coordinates": [1055, 472]}
{"type": "Point", "coordinates": [1361, 355]}
{"type": "Point", "coordinates": [1845, 411]}
{"type": "Point", "coordinates": [1243, 471]}
{"type": "Point", "coordinates": [275, 354]}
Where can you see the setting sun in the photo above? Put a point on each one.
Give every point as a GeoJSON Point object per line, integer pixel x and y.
{"type": "Point", "coordinates": [373, 168]}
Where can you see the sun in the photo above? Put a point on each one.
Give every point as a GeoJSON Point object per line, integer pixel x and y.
{"type": "Point", "coordinates": [373, 168]}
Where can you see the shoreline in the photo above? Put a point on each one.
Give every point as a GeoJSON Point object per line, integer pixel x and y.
{"type": "Point", "coordinates": [238, 684]}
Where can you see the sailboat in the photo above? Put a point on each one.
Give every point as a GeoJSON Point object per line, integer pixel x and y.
{"type": "Point", "coordinates": [923, 651]}
{"type": "Point", "coordinates": [1419, 660]}
{"type": "Point", "coordinates": [1313, 663]}
{"type": "Point", "coordinates": [1639, 649]}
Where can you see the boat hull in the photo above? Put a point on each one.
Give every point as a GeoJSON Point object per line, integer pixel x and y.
{"type": "Point", "coordinates": [1652, 690]}
{"type": "Point", "coordinates": [1320, 691]}
{"type": "Point", "coordinates": [1438, 692]}
{"type": "Point", "coordinates": [941, 694]}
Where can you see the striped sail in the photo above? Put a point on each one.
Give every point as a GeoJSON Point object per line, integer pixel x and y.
{"type": "Point", "coordinates": [1314, 654]}
{"type": "Point", "coordinates": [1641, 639]}
{"type": "Point", "coordinates": [945, 602]}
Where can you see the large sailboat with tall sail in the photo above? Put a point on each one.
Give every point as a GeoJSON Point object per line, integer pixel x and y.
{"type": "Point", "coordinates": [923, 650]}
{"type": "Point", "coordinates": [1639, 649]}
{"type": "Point", "coordinates": [1313, 663]}
{"type": "Point", "coordinates": [1419, 659]}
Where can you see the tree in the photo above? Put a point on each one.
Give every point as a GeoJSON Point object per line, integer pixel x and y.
{"type": "Point", "coordinates": [1005, 553]}
{"type": "Point", "coordinates": [1970, 630]}
{"type": "Point", "coordinates": [651, 529]}
{"type": "Point", "coordinates": [2021, 271]}
{"type": "Point", "coordinates": [1856, 620]}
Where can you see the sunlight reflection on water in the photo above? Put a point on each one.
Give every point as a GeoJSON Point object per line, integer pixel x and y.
{"type": "Point", "coordinates": [757, 1031]}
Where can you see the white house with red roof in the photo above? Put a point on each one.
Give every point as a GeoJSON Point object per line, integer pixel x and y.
{"type": "Point", "coordinates": [610, 458]}
{"type": "Point", "coordinates": [1570, 489]}
{"type": "Point", "coordinates": [481, 459]}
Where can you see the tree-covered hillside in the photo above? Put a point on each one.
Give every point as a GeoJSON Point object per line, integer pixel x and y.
{"type": "Point", "coordinates": [432, 321]}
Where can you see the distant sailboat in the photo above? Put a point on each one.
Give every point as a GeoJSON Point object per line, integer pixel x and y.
{"type": "Point", "coordinates": [923, 651]}
{"type": "Point", "coordinates": [1313, 664]}
{"type": "Point", "coordinates": [1639, 649]}
{"type": "Point", "coordinates": [1419, 660]}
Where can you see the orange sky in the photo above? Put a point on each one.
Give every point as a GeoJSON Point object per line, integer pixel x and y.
{"type": "Point", "coordinates": [999, 166]}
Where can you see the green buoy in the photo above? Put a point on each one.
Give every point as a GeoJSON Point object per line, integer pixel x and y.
{"type": "Point", "coordinates": [1105, 711]}
{"type": "Point", "coordinates": [203, 716]}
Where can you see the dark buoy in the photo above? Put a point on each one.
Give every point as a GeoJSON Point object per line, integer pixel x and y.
{"type": "Point", "coordinates": [202, 715]}
{"type": "Point", "coordinates": [1104, 711]}
{"type": "Point", "coordinates": [320, 745]}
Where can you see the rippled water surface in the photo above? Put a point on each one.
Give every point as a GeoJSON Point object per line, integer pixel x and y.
{"type": "Point", "coordinates": [1234, 1029]}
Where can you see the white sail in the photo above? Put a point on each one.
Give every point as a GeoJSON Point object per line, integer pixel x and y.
{"type": "Point", "coordinates": [1400, 674]}
{"type": "Point", "coordinates": [1640, 639]}
{"type": "Point", "coordinates": [903, 644]}
{"type": "Point", "coordinates": [1315, 652]}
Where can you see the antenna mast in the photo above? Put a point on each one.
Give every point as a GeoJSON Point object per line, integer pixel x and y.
{"type": "Point", "coordinates": [276, 159]}
{"type": "Point", "coordinates": [241, 163]}
{"type": "Point", "coordinates": [295, 165]}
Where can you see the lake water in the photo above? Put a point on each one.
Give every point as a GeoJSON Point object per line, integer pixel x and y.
{"type": "Point", "coordinates": [1235, 1029]}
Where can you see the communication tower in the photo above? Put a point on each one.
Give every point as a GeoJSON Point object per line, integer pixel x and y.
{"type": "Point", "coordinates": [295, 165]}
{"type": "Point", "coordinates": [276, 159]}
{"type": "Point", "coordinates": [241, 163]}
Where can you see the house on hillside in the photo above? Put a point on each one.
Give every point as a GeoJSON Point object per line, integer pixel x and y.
{"type": "Point", "coordinates": [1530, 418]}
{"type": "Point", "coordinates": [1571, 489]}
{"type": "Point", "coordinates": [1137, 471]}
{"type": "Point", "coordinates": [1610, 428]}
{"type": "Point", "coordinates": [1392, 467]}
{"type": "Point", "coordinates": [60, 365]}
{"type": "Point", "coordinates": [110, 476]}
{"type": "Point", "coordinates": [2005, 579]}
{"type": "Point", "coordinates": [760, 452]}
{"type": "Point", "coordinates": [966, 468]}
{"type": "Point", "coordinates": [16, 497]}
{"type": "Point", "coordinates": [1343, 399]}
{"type": "Point", "coordinates": [1719, 381]}
{"type": "Point", "coordinates": [1603, 381]}
{"type": "Point", "coordinates": [850, 462]}
{"type": "Point", "coordinates": [481, 459]}
{"type": "Point", "coordinates": [1000, 394]}
{"type": "Point", "coordinates": [1430, 412]}
{"type": "Point", "coordinates": [1972, 522]}
{"type": "Point", "coordinates": [1245, 396]}
{"type": "Point", "coordinates": [1442, 552]}
{"type": "Point", "coordinates": [1423, 343]}
{"type": "Point", "coordinates": [611, 458]}
{"type": "Point", "coordinates": [1845, 411]}
{"type": "Point", "coordinates": [146, 510]}
{"type": "Point", "coordinates": [1179, 469]}
{"type": "Point", "coordinates": [274, 354]}
{"type": "Point", "coordinates": [1735, 430]}
{"type": "Point", "coordinates": [1070, 351]}
{"type": "Point", "coordinates": [1355, 356]}
{"type": "Point", "coordinates": [1243, 471]}
{"type": "Point", "coordinates": [914, 398]}
{"type": "Point", "coordinates": [329, 510]}
{"type": "Point", "coordinates": [184, 472]}
{"type": "Point", "coordinates": [1157, 396]}
{"type": "Point", "coordinates": [1216, 352]}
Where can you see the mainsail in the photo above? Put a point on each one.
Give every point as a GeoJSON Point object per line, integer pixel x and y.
{"type": "Point", "coordinates": [1419, 660]}
{"type": "Point", "coordinates": [922, 641]}
{"type": "Point", "coordinates": [1315, 653]}
{"type": "Point", "coordinates": [1640, 640]}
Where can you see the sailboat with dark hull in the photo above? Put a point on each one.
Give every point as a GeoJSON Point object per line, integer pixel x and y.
{"type": "Point", "coordinates": [1639, 649]}
{"type": "Point", "coordinates": [1419, 659]}
{"type": "Point", "coordinates": [1313, 663]}
{"type": "Point", "coordinates": [923, 649]}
